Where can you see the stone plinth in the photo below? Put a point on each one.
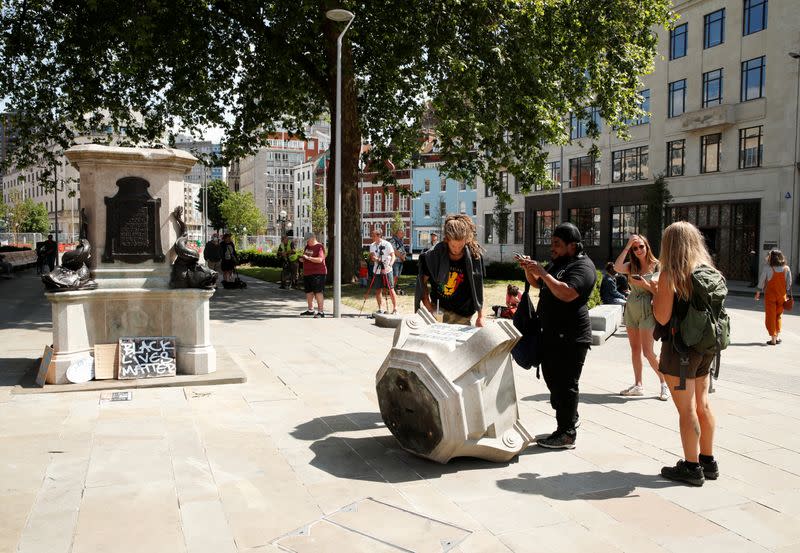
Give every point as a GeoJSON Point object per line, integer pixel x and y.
{"type": "Point", "coordinates": [448, 390]}
{"type": "Point", "coordinates": [140, 188]}
{"type": "Point", "coordinates": [83, 319]}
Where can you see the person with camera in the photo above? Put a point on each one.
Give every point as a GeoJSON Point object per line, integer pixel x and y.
{"type": "Point", "coordinates": [564, 289]}
{"type": "Point", "coordinates": [454, 270]}
{"type": "Point", "coordinates": [381, 253]}
{"type": "Point", "coordinates": [400, 254]}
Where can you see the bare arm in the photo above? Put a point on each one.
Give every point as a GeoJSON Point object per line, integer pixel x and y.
{"type": "Point", "coordinates": [426, 294]}
{"type": "Point", "coordinates": [663, 299]}
{"type": "Point", "coordinates": [561, 290]}
{"type": "Point", "coordinates": [620, 265]}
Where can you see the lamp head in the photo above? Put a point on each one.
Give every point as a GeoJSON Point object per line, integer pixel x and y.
{"type": "Point", "coordinates": [339, 15]}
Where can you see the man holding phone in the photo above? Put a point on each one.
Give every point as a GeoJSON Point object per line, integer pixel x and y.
{"type": "Point", "coordinates": [565, 286]}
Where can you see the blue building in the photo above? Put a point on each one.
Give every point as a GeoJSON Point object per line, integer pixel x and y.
{"type": "Point", "coordinates": [438, 197]}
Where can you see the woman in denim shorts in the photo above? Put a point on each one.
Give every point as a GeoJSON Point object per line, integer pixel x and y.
{"type": "Point", "coordinates": [639, 262]}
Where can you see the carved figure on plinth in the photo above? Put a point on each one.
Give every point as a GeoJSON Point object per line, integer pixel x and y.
{"type": "Point", "coordinates": [187, 272]}
{"type": "Point", "coordinates": [73, 274]}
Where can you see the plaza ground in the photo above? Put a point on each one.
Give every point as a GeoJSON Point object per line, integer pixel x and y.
{"type": "Point", "coordinates": [289, 458]}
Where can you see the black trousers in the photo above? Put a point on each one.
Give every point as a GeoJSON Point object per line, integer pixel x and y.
{"type": "Point", "coordinates": [562, 364]}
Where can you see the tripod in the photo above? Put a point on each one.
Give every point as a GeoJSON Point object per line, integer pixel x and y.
{"type": "Point", "coordinates": [385, 277]}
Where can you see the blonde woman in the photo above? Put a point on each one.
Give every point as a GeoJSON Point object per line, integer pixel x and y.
{"type": "Point", "coordinates": [638, 261]}
{"type": "Point", "coordinates": [776, 284]}
{"type": "Point", "coordinates": [683, 251]}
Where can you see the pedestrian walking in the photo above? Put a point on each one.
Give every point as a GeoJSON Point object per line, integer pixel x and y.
{"type": "Point", "coordinates": [687, 271]}
{"type": "Point", "coordinates": [50, 252]}
{"type": "Point", "coordinates": [454, 270]}
{"type": "Point", "coordinates": [314, 272]}
{"type": "Point", "coordinates": [566, 330]}
{"type": "Point", "coordinates": [638, 261]}
{"type": "Point", "coordinates": [228, 257]}
{"type": "Point", "coordinates": [212, 253]}
{"type": "Point", "coordinates": [776, 285]}
{"type": "Point", "coordinates": [382, 255]}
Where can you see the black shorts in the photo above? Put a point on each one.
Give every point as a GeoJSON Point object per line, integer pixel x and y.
{"type": "Point", "coordinates": [670, 362]}
{"type": "Point", "coordinates": [384, 281]}
{"type": "Point", "coordinates": [228, 264]}
{"type": "Point", "coordinates": [314, 284]}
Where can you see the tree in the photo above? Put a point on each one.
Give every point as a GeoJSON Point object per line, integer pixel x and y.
{"type": "Point", "coordinates": [657, 198]}
{"type": "Point", "coordinates": [240, 212]}
{"type": "Point", "coordinates": [217, 193]}
{"type": "Point", "coordinates": [397, 223]}
{"type": "Point", "coordinates": [29, 216]}
{"type": "Point", "coordinates": [319, 212]}
{"type": "Point", "coordinates": [497, 78]}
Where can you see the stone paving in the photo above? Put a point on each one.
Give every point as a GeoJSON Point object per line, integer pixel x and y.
{"type": "Point", "coordinates": [288, 460]}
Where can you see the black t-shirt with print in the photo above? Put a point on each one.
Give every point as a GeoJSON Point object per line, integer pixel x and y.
{"type": "Point", "coordinates": [568, 321]}
{"type": "Point", "coordinates": [453, 295]}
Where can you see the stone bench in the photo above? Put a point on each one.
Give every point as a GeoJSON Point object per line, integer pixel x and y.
{"type": "Point", "coordinates": [605, 321]}
{"type": "Point", "coordinates": [20, 260]}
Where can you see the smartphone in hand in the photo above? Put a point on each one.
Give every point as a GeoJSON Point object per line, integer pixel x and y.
{"type": "Point", "coordinates": [636, 277]}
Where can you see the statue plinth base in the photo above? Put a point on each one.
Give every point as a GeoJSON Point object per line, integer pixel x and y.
{"type": "Point", "coordinates": [82, 319]}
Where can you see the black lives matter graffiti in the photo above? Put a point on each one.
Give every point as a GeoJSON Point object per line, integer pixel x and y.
{"type": "Point", "coordinates": [147, 357]}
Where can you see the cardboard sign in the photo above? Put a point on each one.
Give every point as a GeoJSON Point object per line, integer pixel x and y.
{"type": "Point", "coordinates": [147, 357]}
{"type": "Point", "coordinates": [106, 360]}
{"type": "Point", "coordinates": [44, 365]}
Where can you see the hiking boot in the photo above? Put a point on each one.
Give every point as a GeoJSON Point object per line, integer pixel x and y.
{"type": "Point", "coordinates": [557, 440]}
{"type": "Point", "coordinates": [634, 390]}
{"type": "Point", "coordinates": [664, 395]}
{"type": "Point", "coordinates": [682, 473]}
{"type": "Point", "coordinates": [307, 313]}
{"type": "Point", "coordinates": [710, 470]}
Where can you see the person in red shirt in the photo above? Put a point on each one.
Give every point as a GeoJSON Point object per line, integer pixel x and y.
{"type": "Point", "coordinates": [314, 271]}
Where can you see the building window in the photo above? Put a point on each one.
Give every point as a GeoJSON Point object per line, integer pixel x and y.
{"type": "Point", "coordinates": [489, 193]}
{"type": "Point", "coordinates": [488, 225]}
{"type": "Point", "coordinates": [755, 16]}
{"type": "Point", "coordinates": [427, 209]}
{"type": "Point", "coordinates": [712, 88]}
{"type": "Point", "coordinates": [379, 227]}
{"type": "Point", "coordinates": [462, 186]}
{"type": "Point", "coordinates": [587, 219]}
{"type": "Point", "coordinates": [462, 207]}
{"type": "Point", "coordinates": [751, 147]}
{"type": "Point", "coordinates": [443, 184]}
{"type": "Point", "coordinates": [390, 202]}
{"type": "Point", "coordinates": [365, 231]}
{"type": "Point", "coordinates": [677, 41]}
{"type": "Point", "coordinates": [645, 106]}
{"type": "Point", "coordinates": [676, 156]}
{"type": "Point", "coordinates": [753, 78]}
{"type": "Point", "coordinates": [442, 208]}
{"type": "Point", "coordinates": [579, 128]}
{"type": "Point", "coordinates": [366, 202]}
{"type": "Point", "coordinates": [546, 222]}
{"type": "Point", "coordinates": [378, 201]}
{"type": "Point", "coordinates": [519, 227]}
{"type": "Point", "coordinates": [625, 221]}
{"type": "Point", "coordinates": [503, 180]}
{"type": "Point", "coordinates": [629, 165]}
{"type": "Point", "coordinates": [709, 153]}
{"type": "Point", "coordinates": [403, 202]}
{"type": "Point", "coordinates": [677, 98]}
{"type": "Point", "coordinates": [714, 28]}
{"type": "Point", "coordinates": [474, 207]}
{"type": "Point", "coordinates": [427, 185]}
{"type": "Point", "coordinates": [584, 171]}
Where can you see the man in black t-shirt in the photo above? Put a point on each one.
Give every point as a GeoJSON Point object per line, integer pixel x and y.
{"type": "Point", "coordinates": [566, 331]}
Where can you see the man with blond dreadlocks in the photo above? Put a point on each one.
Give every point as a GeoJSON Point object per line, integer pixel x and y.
{"type": "Point", "coordinates": [454, 269]}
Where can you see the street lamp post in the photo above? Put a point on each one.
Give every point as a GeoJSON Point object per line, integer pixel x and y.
{"type": "Point", "coordinates": [342, 16]}
{"type": "Point", "coordinates": [796, 167]}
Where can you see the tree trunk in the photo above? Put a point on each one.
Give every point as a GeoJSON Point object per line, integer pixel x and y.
{"type": "Point", "coordinates": [351, 150]}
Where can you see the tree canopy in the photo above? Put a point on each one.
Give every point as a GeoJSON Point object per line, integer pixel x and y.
{"type": "Point", "coordinates": [217, 193]}
{"type": "Point", "coordinates": [497, 79]}
{"type": "Point", "coordinates": [29, 216]}
{"type": "Point", "coordinates": [241, 214]}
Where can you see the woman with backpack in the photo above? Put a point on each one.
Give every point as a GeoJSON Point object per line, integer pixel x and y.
{"type": "Point", "coordinates": [776, 284]}
{"type": "Point", "coordinates": [228, 255]}
{"type": "Point", "coordinates": [638, 261]}
{"type": "Point", "coordinates": [685, 264]}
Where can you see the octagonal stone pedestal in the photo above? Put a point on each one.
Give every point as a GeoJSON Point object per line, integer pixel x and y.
{"type": "Point", "coordinates": [448, 390]}
{"type": "Point", "coordinates": [82, 319]}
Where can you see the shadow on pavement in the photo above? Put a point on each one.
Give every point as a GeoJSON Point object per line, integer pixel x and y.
{"type": "Point", "coordinates": [316, 429]}
{"type": "Point", "coordinates": [18, 370]}
{"type": "Point", "coordinates": [745, 344]}
{"type": "Point", "coordinates": [594, 398]}
{"type": "Point", "coordinates": [591, 485]}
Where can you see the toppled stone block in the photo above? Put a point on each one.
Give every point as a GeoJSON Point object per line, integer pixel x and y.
{"type": "Point", "coordinates": [448, 390]}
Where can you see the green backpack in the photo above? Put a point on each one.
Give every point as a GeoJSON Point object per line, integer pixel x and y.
{"type": "Point", "coordinates": [706, 328]}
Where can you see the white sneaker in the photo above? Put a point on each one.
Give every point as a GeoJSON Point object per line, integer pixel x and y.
{"type": "Point", "coordinates": [633, 391]}
{"type": "Point", "coordinates": [664, 395]}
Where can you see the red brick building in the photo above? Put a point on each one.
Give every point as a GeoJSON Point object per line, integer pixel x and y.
{"type": "Point", "coordinates": [379, 205]}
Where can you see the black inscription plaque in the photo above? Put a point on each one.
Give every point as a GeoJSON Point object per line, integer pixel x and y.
{"type": "Point", "coordinates": [133, 229]}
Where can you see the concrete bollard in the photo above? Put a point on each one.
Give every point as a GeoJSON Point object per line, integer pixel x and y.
{"type": "Point", "coordinates": [448, 390]}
